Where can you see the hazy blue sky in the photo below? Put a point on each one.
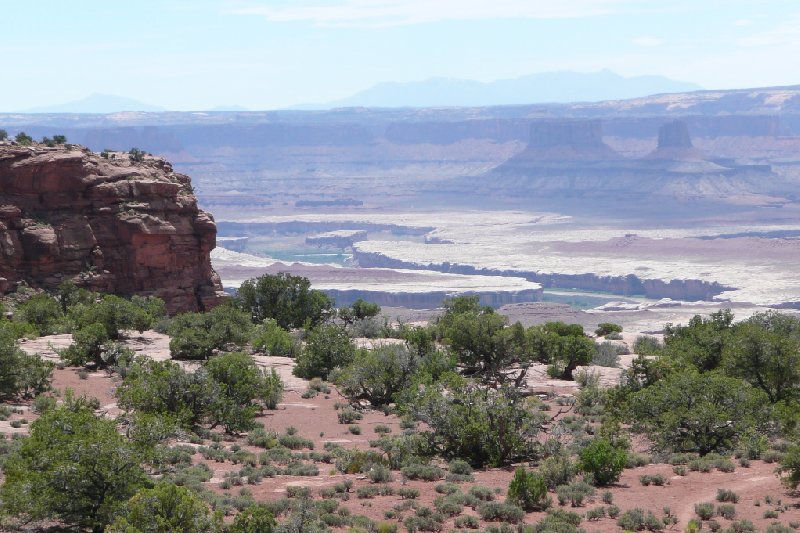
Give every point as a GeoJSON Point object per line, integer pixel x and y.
{"type": "Point", "coordinates": [271, 53]}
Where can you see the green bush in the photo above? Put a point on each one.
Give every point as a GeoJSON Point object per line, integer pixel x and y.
{"type": "Point", "coordinates": [88, 346]}
{"type": "Point", "coordinates": [287, 299]}
{"type": "Point", "coordinates": [726, 511]}
{"type": "Point", "coordinates": [574, 493]}
{"type": "Point", "coordinates": [704, 511]}
{"type": "Point", "coordinates": [603, 460]}
{"type": "Point", "coordinates": [790, 467]}
{"type": "Point", "coordinates": [269, 337]}
{"type": "Point", "coordinates": [727, 495]}
{"type": "Point", "coordinates": [424, 472]}
{"type": "Point", "coordinates": [646, 345]}
{"type": "Point", "coordinates": [377, 375]}
{"type": "Point", "coordinates": [557, 470]}
{"type": "Point", "coordinates": [165, 507]}
{"type": "Point", "coordinates": [693, 412]}
{"type": "Point", "coordinates": [74, 468]}
{"type": "Point", "coordinates": [476, 424]}
{"type": "Point", "coordinates": [240, 383]}
{"type": "Point", "coordinates": [271, 392]}
{"type": "Point", "coordinates": [500, 512]}
{"type": "Point", "coordinates": [24, 139]}
{"type": "Point", "coordinates": [43, 312]}
{"type": "Point", "coordinates": [481, 493]}
{"type": "Point", "coordinates": [467, 522]}
{"type": "Point", "coordinates": [633, 520]}
{"type": "Point", "coordinates": [604, 328]}
{"type": "Point", "coordinates": [21, 374]}
{"type": "Point", "coordinates": [327, 347]}
{"type": "Point", "coordinates": [608, 353]}
{"type": "Point", "coordinates": [116, 314]}
{"type": "Point", "coordinates": [199, 335]}
{"type": "Point", "coordinates": [528, 490]}
{"type": "Point", "coordinates": [256, 518]}
{"type": "Point", "coordinates": [379, 474]}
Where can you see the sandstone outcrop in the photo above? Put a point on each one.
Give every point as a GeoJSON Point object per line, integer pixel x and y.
{"type": "Point", "coordinates": [107, 224]}
{"type": "Point", "coordinates": [554, 142]}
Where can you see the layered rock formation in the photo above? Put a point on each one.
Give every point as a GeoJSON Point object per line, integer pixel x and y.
{"type": "Point", "coordinates": [105, 223]}
{"type": "Point", "coordinates": [562, 143]}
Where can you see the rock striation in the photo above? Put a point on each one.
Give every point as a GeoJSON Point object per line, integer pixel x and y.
{"type": "Point", "coordinates": [106, 223]}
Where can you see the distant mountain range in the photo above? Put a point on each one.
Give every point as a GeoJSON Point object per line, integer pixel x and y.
{"type": "Point", "coordinates": [97, 103]}
{"type": "Point", "coordinates": [546, 87]}
{"type": "Point", "coordinates": [542, 88]}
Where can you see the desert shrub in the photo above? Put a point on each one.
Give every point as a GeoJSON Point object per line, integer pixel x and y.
{"type": "Point", "coordinates": [446, 488]}
{"type": "Point", "coordinates": [528, 490]}
{"type": "Point", "coordinates": [255, 518]}
{"type": "Point", "coordinates": [500, 512]}
{"type": "Point", "coordinates": [272, 339]}
{"type": "Point", "coordinates": [574, 493]}
{"type": "Point", "coordinates": [424, 472]}
{"type": "Point", "coordinates": [199, 335]}
{"type": "Point", "coordinates": [295, 442]}
{"type": "Point", "coordinates": [377, 375]}
{"type": "Point", "coordinates": [633, 520]}
{"type": "Point", "coordinates": [379, 474]}
{"type": "Point", "coordinates": [348, 415]}
{"type": "Point", "coordinates": [43, 312]}
{"type": "Point", "coordinates": [790, 467]}
{"type": "Point", "coordinates": [287, 299]}
{"type": "Point", "coordinates": [449, 505]}
{"type": "Point", "coordinates": [596, 514]}
{"type": "Point", "coordinates": [87, 345]}
{"type": "Point", "coordinates": [726, 511]}
{"type": "Point", "coordinates": [327, 347]}
{"type": "Point", "coordinates": [779, 528]}
{"type": "Point", "coordinates": [23, 138]}
{"type": "Point", "coordinates": [75, 468]}
{"type": "Point", "coordinates": [655, 479]}
{"type": "Point", "coordinates": [742, 526]}
{"type": "Point", "coordinates": [21, 374]}
{"type": "Point", "coordinates": [557, 470]}
{"type": "Point", "coordinates": [115, 314]}
{"type": "Point", "coordinates": [271, 389]}
{"type": "Point", "coordinates": [165, 507]}
{"type": "Point", "coordinates": [646, 345]}
{"type": "Point", "coordinates": [408, 493]}
{"type": "Point", "coordinates": [240, 382]}
{"type": "Point", "coordinates": [604, 328]}
{"type": "Point", "coordinates": [704, 511]}
{"type": "Point", "coordinates": [563, 346]}
{"type": "Point", "coordinates": [479, 425]}
{"type": "Point", "coordinates": [692, 412]}
{"type": "Point", "coordinates": [607, 354]}
{"type": "Point", "coordinates": [380, 429]}
{"type": "Point", "coordinates": [467, 522]}
{"type": "Point", "coordinates": [295, 491]}
{"type": "Point", "coordinates": [42, 403]}
{"type": "Point", "coordinates": [481, 493]}
{"type": "Point", "coordinates": [603, 460]}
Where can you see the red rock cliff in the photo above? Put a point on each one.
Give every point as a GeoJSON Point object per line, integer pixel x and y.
{"type": "Point", "coordinates": [108, 224]}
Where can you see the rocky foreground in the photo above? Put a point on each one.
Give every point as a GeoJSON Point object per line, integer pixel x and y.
{"type": "Point", "coordinates": [106, 223]}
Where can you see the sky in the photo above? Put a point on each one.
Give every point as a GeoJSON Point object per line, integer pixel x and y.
{"type": "Point", "coordinates": [269, 54]}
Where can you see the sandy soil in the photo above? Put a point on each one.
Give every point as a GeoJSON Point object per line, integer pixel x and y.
{"type": "Point", "coordinates": [316, 419]}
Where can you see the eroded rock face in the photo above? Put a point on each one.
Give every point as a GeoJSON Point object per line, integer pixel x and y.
{"type": "Point", "coordinates": [106, 224]}
{"type": "Point", "coordinates": [674, 134]}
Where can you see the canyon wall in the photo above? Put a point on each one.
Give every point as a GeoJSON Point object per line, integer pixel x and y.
{"type": "Point", "coordinates": [630, 285]}
{"type": "Point", "coordinates": [108, 224]}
